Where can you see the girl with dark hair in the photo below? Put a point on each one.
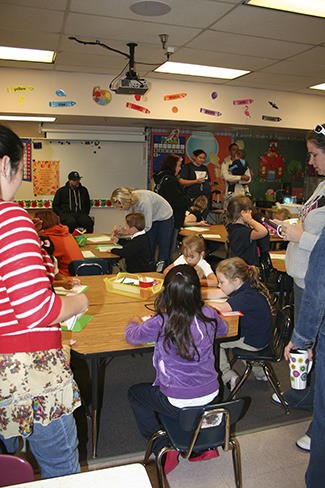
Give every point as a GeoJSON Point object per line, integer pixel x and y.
{"type": "Point", "coordinates": [242, 284]}
{"type": "Point", "coordinates": [184, 330]}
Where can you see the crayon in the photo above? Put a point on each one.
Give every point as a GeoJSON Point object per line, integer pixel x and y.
{"type": "Point", "coordinates": [210, 112]}
{"type": "Point", "coordinates": [68, 103]}
{"type": "Point", "coordinates": [139, 108]}
{"type": "Point", "coordinates": [242, 102]}
{"type": "Point", "coordinates": [271, 119]}
{"type": "Point", "coordinates": [175, 96]}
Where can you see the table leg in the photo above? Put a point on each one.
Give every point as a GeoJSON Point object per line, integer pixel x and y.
{"type": "Point", "coordinates": [94, 403]}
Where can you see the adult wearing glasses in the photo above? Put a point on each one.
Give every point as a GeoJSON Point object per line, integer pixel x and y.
{"type": "Point", "coordinates": [302, 239]}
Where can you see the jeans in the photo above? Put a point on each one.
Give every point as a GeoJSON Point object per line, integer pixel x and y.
{"type": "Point", "coordinates": [161, 232]}
{"type": "Point", "coordinates": [55, 447]}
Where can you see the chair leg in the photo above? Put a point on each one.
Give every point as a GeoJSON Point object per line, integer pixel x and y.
{"type": "Point", "coordinates": [154, 436]}
{"type": "Point", "coordinates": [242, 380]}
{"type": "Point", "coordinates": [159, 466]}
{"type": "Point", "coordinates": [274, 382]}
{"type": "Point", "coordinates": [235, 451]}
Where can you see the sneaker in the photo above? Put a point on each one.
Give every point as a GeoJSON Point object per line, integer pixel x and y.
{"type": "Point", "coordinates": [171, 461]}
{"type": "Point", "coordinates": [304, 443]}
{"type": "Point", "coordinates": [262, 378]}
{"type": "Point", "coordinates": [276, 400]}
{"type": "Point", "coordinates": [205, 456]}
{"type": "Point", "coordinates": [232, 382]}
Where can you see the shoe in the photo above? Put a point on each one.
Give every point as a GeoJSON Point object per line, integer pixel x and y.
{"type": "Point", "coordinates": [232, 382]}
{"type": "Point", "coordinates": [276, 400]}
{"type": "Point", "coordinates": [205, 456]}
{"type": "Point", "coordinates": [304, 443]}
{"type": "Point", "coordinates": [263, 378]}
{"type": "Point", "coordinates": [171, 461]}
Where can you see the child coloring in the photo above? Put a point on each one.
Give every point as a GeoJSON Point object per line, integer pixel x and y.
{"type": "Point", "coordinates": [184, 330]}
{"type": "Point", "coordinates": [193, 252]}
{"type": "Point", "coordinates": [246, 293]}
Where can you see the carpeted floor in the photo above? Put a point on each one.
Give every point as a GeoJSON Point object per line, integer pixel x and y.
{"type": "Point", "coordinates": [118, 433]}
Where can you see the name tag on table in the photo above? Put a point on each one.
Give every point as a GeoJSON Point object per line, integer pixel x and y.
{"type": "Point", "coordinates": [108, 247]}
{"type": "Point", "coordinates": [96, 239]}
{"type": "Point", "coordinates": [88, 254]}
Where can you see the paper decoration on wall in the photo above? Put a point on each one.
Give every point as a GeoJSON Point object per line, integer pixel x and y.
{"type": "Point", "coordinates": [21, 100]}
{"type": "Point", "coordinates": [46, 177]}
{"type": "Point", "coordinates": [68, 103]}
{"type": "Point", "coordinates": [20, 88]}
{"type": "Point", "coordinates": [101, 96]}
{"type": "Point", "coordinates": [174, 96]}
{"type": "Point", "coordinates": [270, 118]}
{"type": "Point", "coordinates": [214, 95]}
{"type": "Point", "coordinates": [272, 163]}
{"type": "Point", "coordinates": [137, 97]}
{"type": "Point", "coordinates": [60, 93]}
{"type": "Point", "coordinates": [274, 105]}
{"type": "Point", "coordinates": [207, 111]}
{"type": "Point", "coordinates": [139, 108]}
{"type": "Point", "coordinates": [174, 110]}
{"type": "Point", "coordinates": [240, 144]}
{"type": "Point", "coordinates": [245, 101]}
{"type": "Point", "coordinates": [167, 143]}
{"type": "Point", "coordinates": [294, 168]}
{"type": "Point", "coordinates": [247, 112]}
{"type": "Point", "coordinates": [27, 160]}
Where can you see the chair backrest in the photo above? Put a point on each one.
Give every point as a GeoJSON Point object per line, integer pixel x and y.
{"type": "Point", "coordinates": [282, 333]}
{"type": "Point", "coordinates": [205, 427]}
{"type": "Point", "coordinates": [14, 470]}
{"type": "Point", "coordinates": [89, 266]}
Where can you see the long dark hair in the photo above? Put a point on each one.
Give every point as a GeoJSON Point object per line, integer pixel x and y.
{"type": "Point", "coordinates": [11, 146]}
{"type": "Point", "coordinates": [181, 300]}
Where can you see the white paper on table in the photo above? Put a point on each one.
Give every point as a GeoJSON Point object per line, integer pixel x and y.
{"type": "Point", "coordinates": [96, 239]}
{"type": "Point", "coordinates": [108, 247]}
{"type": "Point", "coordinates": [281, 257]}
{"type": "Point", "coordinates": [197, 229]}
{"type": "Point", "coordinates": [88, 254]}
{"type": "Point", "coordinates": [69, 323]}
{"type": "Point", "coordinates": [212, 236]}
{"type": "Point", "coordinates": [59, 290]}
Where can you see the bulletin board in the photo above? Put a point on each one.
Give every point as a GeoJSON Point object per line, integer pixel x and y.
{"type": "Point", "coordinates": [104, 166]}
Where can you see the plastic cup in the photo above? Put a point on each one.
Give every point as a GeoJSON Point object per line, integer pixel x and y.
{"type": "Point", "coordinates": [300, 366]}
{"type": "Point", "coordinates": [294, 221]}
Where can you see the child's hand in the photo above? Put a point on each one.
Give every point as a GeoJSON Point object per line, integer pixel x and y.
{"type": "Point", "coordinates": [246, 215]}
{"type": "Point", "coordinates": [69, 283]}
{"type": "Point", "coordinates": [136, 318]}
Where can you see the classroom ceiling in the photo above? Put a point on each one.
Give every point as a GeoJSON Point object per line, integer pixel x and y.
{"type": "Point", "coordinates": [283, 51]}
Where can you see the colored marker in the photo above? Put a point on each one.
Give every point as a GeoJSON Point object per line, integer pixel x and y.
{"type": "Point", "coordinates": [271, 119]}
{"type": "Point", "coordinates": [175, 96]}
{"type": "Point", "coordinates": [139, 108]}
{"type": "Point", "coordinates": [68, 103]}
{"type": "Point", "coordinates": [207, 111]}
{"type": "Point", "coordinates": [242, 102]}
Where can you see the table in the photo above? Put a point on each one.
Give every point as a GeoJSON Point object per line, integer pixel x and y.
{"type": "Point", "coordinates": [91, 246]}
{"type": "Point", "coordinates": [134, 475]}
{"type": "Point", "coordinates": [104, 335]}
{"type": "Point", "coordinates": [279, 263]}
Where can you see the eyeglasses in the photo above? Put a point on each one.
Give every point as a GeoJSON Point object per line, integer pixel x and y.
{"type": "Point", "coordinates": [319, 129]}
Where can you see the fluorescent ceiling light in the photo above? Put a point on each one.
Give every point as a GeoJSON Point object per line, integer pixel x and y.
{"type": "Point", "coordinates": [199, 70]}
{"type": "Point", "coordinates": [315, 8]}
{"type": "Point", "coordinates": [27, 118]}
{"type": "Point", "coordinates": [33, 55]}
{"type": "Point", "coordinates": [321, 86]}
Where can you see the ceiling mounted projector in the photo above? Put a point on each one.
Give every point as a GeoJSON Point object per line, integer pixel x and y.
{"type": "Point", "coordinates": [129, 86]}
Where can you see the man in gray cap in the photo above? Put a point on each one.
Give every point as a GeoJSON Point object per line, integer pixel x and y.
{"type": "Point", "coordinates": [72, 204]}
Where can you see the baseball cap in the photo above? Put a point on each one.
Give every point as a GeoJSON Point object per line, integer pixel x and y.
{"type": "Point", "coordinates": [74, 175]}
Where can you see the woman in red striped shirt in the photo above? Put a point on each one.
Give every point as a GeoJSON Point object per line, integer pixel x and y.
{"type": "Point", "coordinates": [37, 390]}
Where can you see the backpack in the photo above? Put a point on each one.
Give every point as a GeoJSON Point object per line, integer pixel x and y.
{"type": "Point", "coordinates": [160, 183]}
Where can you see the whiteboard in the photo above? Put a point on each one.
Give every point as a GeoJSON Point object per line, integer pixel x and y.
{"type": "Point", "coordinates": [104, 166]}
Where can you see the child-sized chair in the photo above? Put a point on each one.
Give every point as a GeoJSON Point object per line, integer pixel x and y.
{"type": "Point", "coordinates": [89, 266]}
{"type": "Point", "coordinates": [14, 470]}
{"type": "Point", "coordinates": [199, 429]}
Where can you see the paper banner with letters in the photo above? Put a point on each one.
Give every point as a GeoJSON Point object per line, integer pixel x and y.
{"type": "Point", "coordinates": [46, 177]}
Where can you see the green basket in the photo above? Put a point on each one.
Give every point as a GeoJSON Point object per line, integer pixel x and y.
{"type": "Point", "coordinates": [81, 240]}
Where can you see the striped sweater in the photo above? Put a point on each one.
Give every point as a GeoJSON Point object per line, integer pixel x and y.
{"type": "Point", "coordinates": [27, 303]}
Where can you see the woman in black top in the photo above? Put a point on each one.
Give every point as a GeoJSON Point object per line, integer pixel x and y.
{"type": "Point", "coordinates": [168, 186]}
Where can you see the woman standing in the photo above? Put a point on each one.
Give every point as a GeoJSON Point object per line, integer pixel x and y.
{"type": "Point", "coordinates": [195, 177]}
{"type": "Point", "coordinates": [37, 390]}
{"type": "Point", "coordinates": [168, 186]}
{"type": "Point", "coordinates": [158, 216]}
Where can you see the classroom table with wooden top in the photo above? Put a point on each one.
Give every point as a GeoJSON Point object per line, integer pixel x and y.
{"type": "Point", "coordinates": [93, 244]}
{"type": "Point", "coordinates": [103, 336]}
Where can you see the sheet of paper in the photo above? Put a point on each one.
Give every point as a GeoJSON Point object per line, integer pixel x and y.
{"type": "Point", "coordinates": [282, 257]}
{"type": "Point", "coordinates": [197, 229]}
{"type": "Point", "coordinates": [69, 323]}
{"type": "Point", "coordinates": [212, 236]}
{"type": "Point", "coordinates": [59, 290]}
{"type": "Point", "coordinates": [96, 239]}
{"type": "Point", "coordinates": [108, 247]}
{"type": "Point", "coordinates": [88, 254]}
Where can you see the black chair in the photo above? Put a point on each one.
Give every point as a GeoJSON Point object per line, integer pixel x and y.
{"type": "Point", "coordinates": [198, 429]}
{"type": "Point", "coordinates": [270, 354]}
{"type": "Point", "coordinates": [89, 266]}
{"type": "Point", "coordinates": [14, 470]}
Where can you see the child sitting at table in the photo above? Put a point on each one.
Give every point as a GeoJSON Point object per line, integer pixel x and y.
{"type": "Point", "coordinates": [184, 331]}
{"type": "Point", "coordinates": [136, 249]}
{"type": "Point", "coordinates": [243, 230]}
{"type": "Point", "coordinates": [193, 253]}
{"type": "Point", "coordinates": [245, 292]}
{"type": "Point", "coordinates": [194, 216]}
